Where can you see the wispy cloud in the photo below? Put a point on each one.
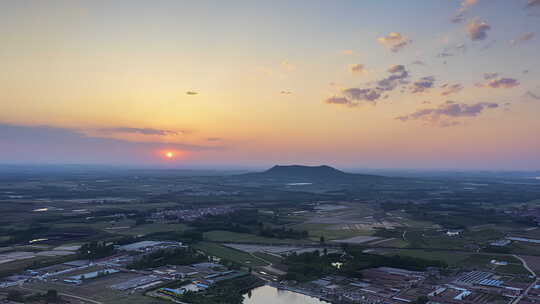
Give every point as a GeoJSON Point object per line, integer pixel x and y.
{"type": "Point", "coordinates": [398, 75]}
{"type": "Point", "coordinates": [488, 76]}
{"type": "Point", "coordinates": [353, 97]}
{"type": "Point", "coordinates": [451, 89]}
{"type": "Point", "coordinates": [522, 38]}
{"type": "Point", "coordinates": [356, 94]}
{"type": "Point", "coordinates": [464, 7]}
{"type": "Point", "coordinates": [358, 68]}
{"type": "Point", "coordinates": [532, 95]}
{"type": "Point", "coordinates": [143, 131]}
{"type": "Point", "coordinates": [452, 50]}
{"type": "Point", "coordinates": [423, 84]}
{"type": "Point", "coordinates": [395, 42]}
{"type": "Point", "coordinates": [340, 101]}
{"type": "Point", "coordinates": [477, 29]}
{"type": "Point", "coordinates": [500, 83]}
{"type": "Point", "coordinates": [450, 110]}
{"type": "Point", "coordinates": [533, 3]}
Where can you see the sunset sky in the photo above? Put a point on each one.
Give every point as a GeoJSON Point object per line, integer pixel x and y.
{"type": "Point", "coordinates": [355, 84]}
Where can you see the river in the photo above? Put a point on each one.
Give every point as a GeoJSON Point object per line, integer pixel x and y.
{"type": "Point", "coordinates": [271, 295]}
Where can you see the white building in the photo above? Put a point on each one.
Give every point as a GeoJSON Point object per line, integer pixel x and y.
{"type": "Point", "coordinates": [453, 232]}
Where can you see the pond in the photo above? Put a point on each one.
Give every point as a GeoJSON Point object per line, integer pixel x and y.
{"type": "Point", "coordinates": [271, 295]}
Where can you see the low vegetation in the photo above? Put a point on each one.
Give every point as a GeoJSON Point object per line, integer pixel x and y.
{"type": "Point", "coordinates": [313, 265]}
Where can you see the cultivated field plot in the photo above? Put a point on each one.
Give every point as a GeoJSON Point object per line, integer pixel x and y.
{"type": "Point", "coordinates": [273, 250]}
{"type": "Point", "coordinates": [98, 289]}
{"type": "Point", "coordinates": [350, 220]}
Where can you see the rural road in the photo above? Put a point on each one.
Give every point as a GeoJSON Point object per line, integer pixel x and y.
{"type": "Point", "coordinates": [524, 293]}
{"type": "Point", "coordinates": [524, 264]}
{"type": "Point", "coordinates": [80, 298]}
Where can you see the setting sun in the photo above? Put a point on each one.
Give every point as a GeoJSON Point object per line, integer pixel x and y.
{"type": "Point", "coordinates": [169, 154]}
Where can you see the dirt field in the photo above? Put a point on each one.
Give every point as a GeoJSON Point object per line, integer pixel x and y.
{"type": "Point", "coordinates": [98, 289]}
{"type": "Point", "coordinates": [357, 240]}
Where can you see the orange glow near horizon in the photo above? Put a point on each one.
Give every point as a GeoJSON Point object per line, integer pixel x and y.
{"type": "Point", "coordinates": [170, 155]}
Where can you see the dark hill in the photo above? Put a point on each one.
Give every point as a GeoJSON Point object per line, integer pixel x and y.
{"type": "Point", "coordinates": [297, 173]}
{"type": "Point", "coordinates": [304, 171]}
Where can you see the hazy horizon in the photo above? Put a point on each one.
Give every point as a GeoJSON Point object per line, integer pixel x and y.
{"type": "Point", "coordinates": [256, 168]}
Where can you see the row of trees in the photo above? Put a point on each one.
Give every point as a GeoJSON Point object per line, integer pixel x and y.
{"type": "Point", "coordinates": [96, 250]}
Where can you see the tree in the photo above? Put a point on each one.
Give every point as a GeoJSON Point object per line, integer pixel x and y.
{"type": "Point", "coordinates": [321, 239]}
{"type": "Point", "coordinates": [140, 221]}
{"type": "Point", "coordinates": [95, 250]}
{"type": "Point", "coordinates": [421, 300]}
{"type": "Point", "coordinates": [192, 236]}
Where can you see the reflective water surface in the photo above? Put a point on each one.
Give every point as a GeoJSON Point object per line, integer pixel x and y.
{"type": "Point", "coordinates": [272, 295]}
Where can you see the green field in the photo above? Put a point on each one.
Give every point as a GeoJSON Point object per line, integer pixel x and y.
{"type": "Point", "coordinates": [460, 259]}
{"type": "Point", "coordinates": [512, 269]}
{"type": "Point", "coordinates": [231, 254]}
{"type": "Point", "coordinates": [437, 239]}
